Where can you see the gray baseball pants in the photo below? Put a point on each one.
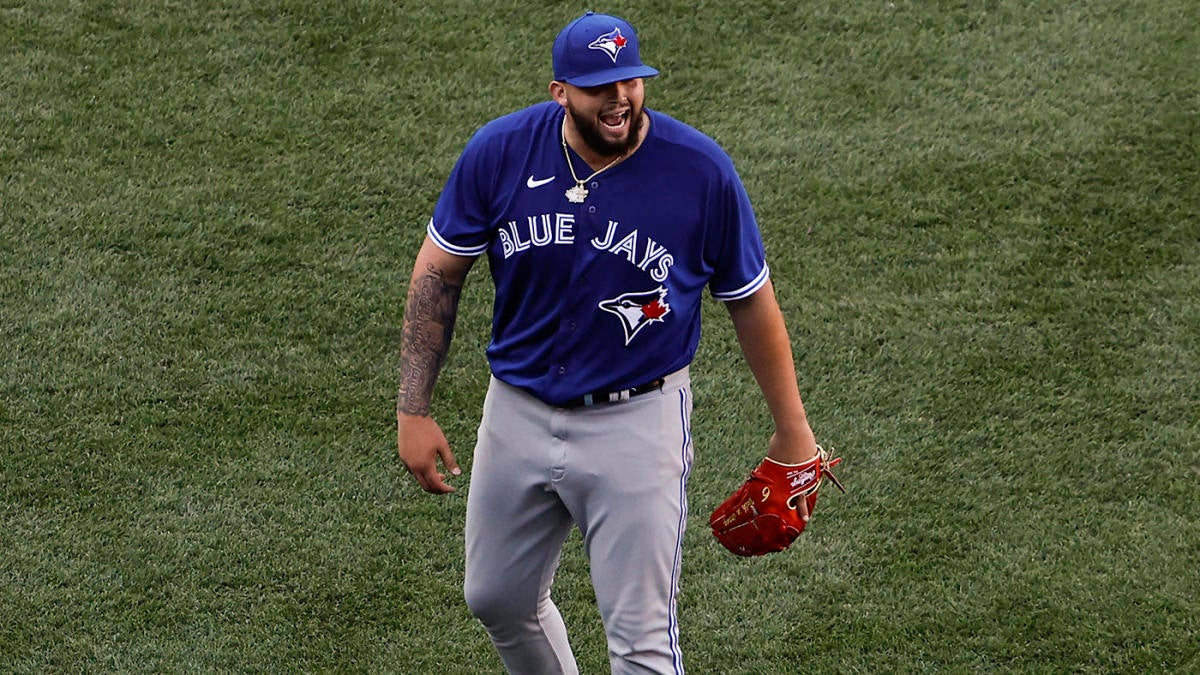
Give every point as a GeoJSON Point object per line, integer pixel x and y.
{"type": "Point", "coordinates": [619, 473]}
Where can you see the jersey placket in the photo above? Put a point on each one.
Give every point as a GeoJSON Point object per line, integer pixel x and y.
{"type": "Point", "coordinates": [590, 223]}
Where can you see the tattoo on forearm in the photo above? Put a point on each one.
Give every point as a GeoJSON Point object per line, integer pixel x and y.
{"type": "Point", "coordinates": [429, 317]}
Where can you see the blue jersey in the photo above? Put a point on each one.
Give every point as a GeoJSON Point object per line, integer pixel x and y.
{"type": "Point", "coordinates": [604, 294]}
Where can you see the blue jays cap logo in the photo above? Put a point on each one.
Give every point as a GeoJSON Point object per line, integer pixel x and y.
{"type": "Point", "coordinates": [638, 310]}
{"type": "Point", "coordinates": [610, 43]}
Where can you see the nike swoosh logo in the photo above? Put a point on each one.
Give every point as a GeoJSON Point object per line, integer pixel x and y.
{"type": "Point", "coordinates": [531, 183]}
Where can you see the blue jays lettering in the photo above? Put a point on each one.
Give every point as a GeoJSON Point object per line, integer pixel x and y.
{"type": "Point", "coordinates": [559, 229]}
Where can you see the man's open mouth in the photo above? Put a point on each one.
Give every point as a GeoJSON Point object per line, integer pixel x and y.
{"type": "Point", "coordinates": [615, 120]}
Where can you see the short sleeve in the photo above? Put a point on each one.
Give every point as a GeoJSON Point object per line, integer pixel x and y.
{"type": "Point", "coordinates": [461, 222]}
{"type": "Point", "coordinates": [736, 249]}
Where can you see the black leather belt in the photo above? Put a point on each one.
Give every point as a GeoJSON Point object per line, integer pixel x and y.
{"type": "Point", "coordinates": [603, 397]}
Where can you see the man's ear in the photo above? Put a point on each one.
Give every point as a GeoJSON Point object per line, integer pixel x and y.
{"type": "Point", "coordinates": [558, 92]}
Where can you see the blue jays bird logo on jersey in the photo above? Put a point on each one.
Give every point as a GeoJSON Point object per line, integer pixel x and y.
{"type": "Point", "coordinates": [638, 310]}
{"type": "Point", "coordinates": [610, 43]}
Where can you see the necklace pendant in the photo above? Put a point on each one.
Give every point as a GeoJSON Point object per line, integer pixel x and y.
{"type": "Point", "coordinates": [577, 194]}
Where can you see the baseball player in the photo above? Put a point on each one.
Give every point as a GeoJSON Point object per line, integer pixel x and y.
{"type": "Point", "coordinates": [603, 222]}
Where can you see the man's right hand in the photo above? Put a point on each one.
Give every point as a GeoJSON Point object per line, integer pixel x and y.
{"type": "Point", "coordinates": [420, 442]}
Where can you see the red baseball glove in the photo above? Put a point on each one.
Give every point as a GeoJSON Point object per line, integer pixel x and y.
{"type": "Point", "coordinates": [770, 510]}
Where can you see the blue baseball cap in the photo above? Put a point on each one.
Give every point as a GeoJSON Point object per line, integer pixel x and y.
{"type": "Point", "coordinates": [598, 49]}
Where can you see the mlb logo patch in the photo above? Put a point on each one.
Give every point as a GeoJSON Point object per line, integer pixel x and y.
{"type": "Point", "coordinates": [610, 43]}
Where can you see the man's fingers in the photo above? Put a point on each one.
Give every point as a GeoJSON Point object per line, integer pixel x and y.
{"type": "Point", "coordinates": [432, 481]}
{"type": "Point", "coordinates": [450, 462]}
{"type": "Point", "coordinates": [420, 443]}
{"type": "Point", "coordinates": [438, 486]}
{"type": "Point", "coordinates": [427, 474]}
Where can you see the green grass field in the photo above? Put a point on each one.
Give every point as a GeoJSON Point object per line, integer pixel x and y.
{"type": "Point", "coordinates": [984, 225]}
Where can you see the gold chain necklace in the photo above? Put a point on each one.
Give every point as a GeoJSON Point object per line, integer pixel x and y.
{"type": "Point", "coordinates": [577, 194]}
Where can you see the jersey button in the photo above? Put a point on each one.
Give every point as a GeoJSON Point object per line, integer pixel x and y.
{"type": "Point", "coordinates": [562, 370]}
{"type": "Point", "coordinates": [595, 184]}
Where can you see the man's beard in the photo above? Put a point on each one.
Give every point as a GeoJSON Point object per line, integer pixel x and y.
{"type": "Point", "coordinates": [589, 131]}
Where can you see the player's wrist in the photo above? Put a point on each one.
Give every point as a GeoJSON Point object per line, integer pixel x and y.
{"type": "Point", "coordinates": [412, 406]}
{"type": "Point", "coordinates": [792, 425]}
{"type": "Point", "coordinates": [792, 445]}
